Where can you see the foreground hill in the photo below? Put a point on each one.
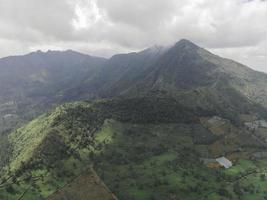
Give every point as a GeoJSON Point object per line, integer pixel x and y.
{"type": "Point", "coordinates": [153, 147]}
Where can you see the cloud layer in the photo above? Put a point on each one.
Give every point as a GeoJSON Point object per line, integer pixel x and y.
{"type": "Point", "coordinates": [232, 28]}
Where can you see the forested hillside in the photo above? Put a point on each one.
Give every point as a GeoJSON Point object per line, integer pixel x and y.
{"type": "Point", "coordinates": [151, 125]}
{"type": "Point", "coordinates": [153, 147]}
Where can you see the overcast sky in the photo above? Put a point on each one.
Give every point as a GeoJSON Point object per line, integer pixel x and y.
{"type": "Point", "coordinates": [235, 29]}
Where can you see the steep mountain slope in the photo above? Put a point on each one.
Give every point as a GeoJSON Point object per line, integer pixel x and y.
{"type": "Point", "coordinates": [119, 73]}
{"type": "Point", "coordinates": [43, 76]}
{"type": "Point", "coordinates": [187, 66]}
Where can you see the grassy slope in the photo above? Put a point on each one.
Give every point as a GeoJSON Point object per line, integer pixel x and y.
{"type": "Point", "coordinates": [43, 156]}
{"type": "Point", "coordinates": [24, 141]}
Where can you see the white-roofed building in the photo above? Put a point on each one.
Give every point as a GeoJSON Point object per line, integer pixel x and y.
{"type": "Point", "coordinates": [224, 162]}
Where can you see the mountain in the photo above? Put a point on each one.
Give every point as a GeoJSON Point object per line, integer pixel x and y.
{"type": "Point", "coordinates": [119, 73]}
{"type": "Point", "coordinates": [187, 66]}
{"type": "Point", "coordinates": [44, 74]}
{"type": "Point", "coordinates": [39, 80]}
{"type": "Point", "coordinates": [152, 126]}
{"type": "Point", "coordinates": [184, 66]}
{"type": "Point", "coordinates": [33, 83]}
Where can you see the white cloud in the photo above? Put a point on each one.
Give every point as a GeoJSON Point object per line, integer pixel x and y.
{"type": "Point", "coordinates": [232, 28]}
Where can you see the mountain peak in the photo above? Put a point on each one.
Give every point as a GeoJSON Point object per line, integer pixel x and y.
{"type": "Point", "coordinates": [37, 52]}
{"type": "Point", "coordinates": [186, 44]}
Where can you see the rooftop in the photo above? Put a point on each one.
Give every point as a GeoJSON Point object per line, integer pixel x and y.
{"type": "Point", "coordinates": [224, 162]}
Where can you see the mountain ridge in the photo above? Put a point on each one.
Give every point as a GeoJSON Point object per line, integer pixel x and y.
{"type": "Point", "coordinates": [150, 123]}
{"type": "Point", "coordinates": [69, 76]}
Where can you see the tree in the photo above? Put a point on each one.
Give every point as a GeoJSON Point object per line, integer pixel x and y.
{"type": "Point", "coordinates": [262, 177]}
{"type": "Point", "coordinates": [10, 189]}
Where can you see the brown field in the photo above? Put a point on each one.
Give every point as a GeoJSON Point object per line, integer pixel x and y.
{"type": "Point", "coordinates": [87, 186]}
{"type": "Point", "coordinates": [214, 165]}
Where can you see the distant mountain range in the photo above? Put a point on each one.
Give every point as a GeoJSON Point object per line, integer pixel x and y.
{"type": "Point", "coordinates": [161, 107]}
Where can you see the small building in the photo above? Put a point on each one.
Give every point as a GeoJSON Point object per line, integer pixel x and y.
{"type": "Point", "coordinates": [263, 123]}
{"type": "Point", "coordinates": [224, 162]}
{"type": "Point", "coordinates": [256, 124]}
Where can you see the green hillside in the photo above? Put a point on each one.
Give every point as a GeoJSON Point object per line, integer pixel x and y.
{"type": "Point", "coordinates": [143, 148]}
{"type": "Point", "coordinates": [165, 123]}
